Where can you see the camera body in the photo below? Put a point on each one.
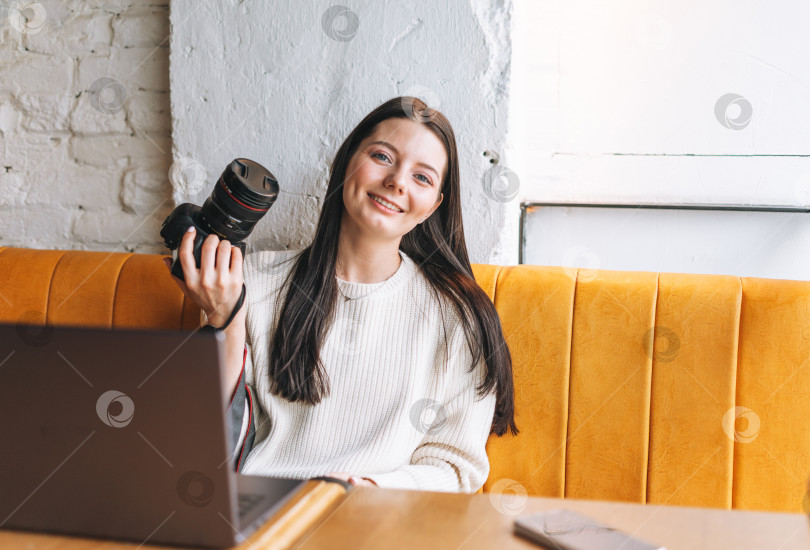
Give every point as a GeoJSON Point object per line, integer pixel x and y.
{"type": "Point", "coordinates": [176, 225]}
{"type": "Point", "coordinates": [242, 196]}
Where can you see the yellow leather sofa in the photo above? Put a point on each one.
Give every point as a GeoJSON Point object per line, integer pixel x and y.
{"type": "Point", "coordinates": [663, 388]}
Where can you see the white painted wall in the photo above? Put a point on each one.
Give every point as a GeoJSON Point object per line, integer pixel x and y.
{"type": "Point", "coordinates": [621, 102]}
{"type": "Point", "coordinates": [283, 83]}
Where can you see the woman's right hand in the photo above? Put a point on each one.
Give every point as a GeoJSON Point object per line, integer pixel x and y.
{"type": "Point", "coordinates": [217, 284]}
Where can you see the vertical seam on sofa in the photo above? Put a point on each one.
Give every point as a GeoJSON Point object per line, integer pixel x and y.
{"type": "Point", "coordinates": [50, 285]}
{"type": "Point", "coordinates": [3, 297]}
{"type": "Point", "coordinates": [495, 283]}
{"type": "Point", "coordinates": [652, 370]}
{"type": "Point", "coordinates": [498, 271]}
{"type": "Point", "coordinates": [115, 290]}
{"type": "Point", "coordinates": [734, 391]}
{"type": "Point", "coordinates": [568, 399]}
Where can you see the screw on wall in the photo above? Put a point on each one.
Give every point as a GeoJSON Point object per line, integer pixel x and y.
{"type": "Point", "coordinates": [493, 157]}
{"type": "Point", "coordinates": [500, 183]}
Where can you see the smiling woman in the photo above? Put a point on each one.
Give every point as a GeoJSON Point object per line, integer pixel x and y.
{"type": "Point", "coordinates": [391, 185]}
{"type": "Point", "coordinates": [400, 382]}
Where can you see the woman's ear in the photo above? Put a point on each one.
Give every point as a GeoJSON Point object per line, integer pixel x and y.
{"type": "Point", "coordinates": [438, 202]}
{"type": "Point", "coordinates": [435, 206]}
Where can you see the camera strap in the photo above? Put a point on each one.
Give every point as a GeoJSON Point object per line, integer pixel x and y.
{"type": "Point", "coordinates": [236, 308]}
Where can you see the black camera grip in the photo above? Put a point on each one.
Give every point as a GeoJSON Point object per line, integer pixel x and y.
{"type": "Point", "coordinates": [199, 239]}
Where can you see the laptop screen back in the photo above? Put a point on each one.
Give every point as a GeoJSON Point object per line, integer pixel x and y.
{"type": "Point", "coordinates": [114, 434]}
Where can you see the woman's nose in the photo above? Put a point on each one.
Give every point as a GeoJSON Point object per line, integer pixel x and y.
{"type": "Point", "coordinates": [396, 180]}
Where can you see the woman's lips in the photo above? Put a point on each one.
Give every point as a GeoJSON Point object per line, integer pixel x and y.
{"type": "Point", "coordinates": [381, 207]}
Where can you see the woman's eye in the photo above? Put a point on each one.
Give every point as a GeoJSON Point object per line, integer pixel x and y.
{"type": "Point", "coordinates": [424, 179]}
{"type": "Point", "coordinates": [381, 156]}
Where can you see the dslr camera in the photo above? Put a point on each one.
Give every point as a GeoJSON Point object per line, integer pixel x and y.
{"type": "Point", "coordinates": [244, 193]}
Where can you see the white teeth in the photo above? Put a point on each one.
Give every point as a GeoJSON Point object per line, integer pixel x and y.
{"type": "Point", "coordinates": [386, 203]}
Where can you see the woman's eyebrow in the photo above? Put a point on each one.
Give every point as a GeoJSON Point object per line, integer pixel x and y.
{"type": "Point", "coordinates": [394, 149]}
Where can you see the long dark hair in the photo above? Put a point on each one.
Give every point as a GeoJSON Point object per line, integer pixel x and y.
{"type": "Point", "coordinates": [437, 246]}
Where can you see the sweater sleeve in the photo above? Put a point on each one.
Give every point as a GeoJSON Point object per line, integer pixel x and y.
{"type": "Point", "coordinates": [241, 416]}
{"type": "Point", "coordinates": [452, 455]}
{"type": "Point", "coordinates": [240, 413]}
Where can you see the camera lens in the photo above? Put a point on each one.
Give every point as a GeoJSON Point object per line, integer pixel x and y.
{"type": "Point", "coordinates": [243, 194]}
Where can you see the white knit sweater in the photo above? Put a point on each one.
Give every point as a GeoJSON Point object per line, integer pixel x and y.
{"type": "Point", "coordinates": [402, 408]}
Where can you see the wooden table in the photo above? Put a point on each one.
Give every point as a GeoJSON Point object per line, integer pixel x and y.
{"type": "Point", "coordinates": [373, 518]}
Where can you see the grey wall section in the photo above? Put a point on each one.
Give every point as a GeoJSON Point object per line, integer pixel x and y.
{"type": "Point", "coordinates": [771, 245]}
{"type": "Point", "coordinates": [283, 83]}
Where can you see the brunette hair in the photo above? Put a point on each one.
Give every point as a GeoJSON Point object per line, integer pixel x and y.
{"type": "Point", "coordinates": [437, 246]}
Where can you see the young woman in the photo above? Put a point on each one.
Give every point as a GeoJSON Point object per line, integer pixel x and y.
{"type": "Point", "coordinates": [371, 355]}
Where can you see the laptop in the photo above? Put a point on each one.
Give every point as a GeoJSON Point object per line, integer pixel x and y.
{"type": "Point", "coordinates": [122, 434]}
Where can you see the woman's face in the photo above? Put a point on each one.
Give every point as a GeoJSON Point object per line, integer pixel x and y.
{"type": "Point", "coordinates": [401, 162]}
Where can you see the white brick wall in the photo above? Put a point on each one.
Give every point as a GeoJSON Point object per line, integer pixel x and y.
{"type": "Point", "coordinates": [84, 162]}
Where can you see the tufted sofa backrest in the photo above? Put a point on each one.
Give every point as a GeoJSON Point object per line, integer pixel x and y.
{"type": "Point", "coordinates": [645, 387]}
{"type": "Point", "coordinates": [663, 388]}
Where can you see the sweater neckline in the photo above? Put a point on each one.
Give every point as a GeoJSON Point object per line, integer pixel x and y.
{"type": "Point", "coordinates": [356, 291]}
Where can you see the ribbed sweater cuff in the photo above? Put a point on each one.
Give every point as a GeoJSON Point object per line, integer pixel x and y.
{"type": "Point", "coordinates": [417, 477]}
